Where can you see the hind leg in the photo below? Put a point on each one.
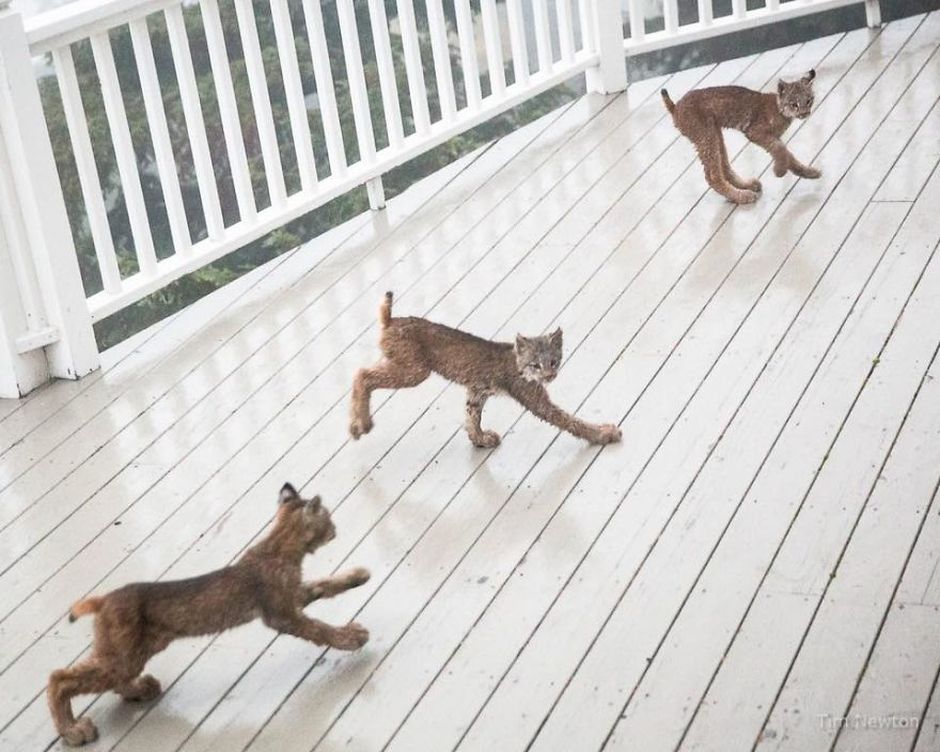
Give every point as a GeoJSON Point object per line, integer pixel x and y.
{"type": "Point", "coordinates": [476, 398]}
{"type": "Point", "coordinates": [710, 146]}
{"type": "Point", "coordinates": [89, 677]}
{"type": "Point", "coordinates": [736, 180]}
{"type": "Point", "coordinates": [388, 374]}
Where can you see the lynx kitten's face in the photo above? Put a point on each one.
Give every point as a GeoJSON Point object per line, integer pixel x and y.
{"type": "Point", "coordinates": [311, 518]}
{"type": "Point", "coordinates": [795, 98]}
{"type": "Point", "coordinates": [539, 358]}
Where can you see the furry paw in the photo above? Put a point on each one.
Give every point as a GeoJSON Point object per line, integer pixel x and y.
{"type": "Point", "coordinates": [143, 689]}
{"type": "Point", "coordinates": [753, 185]}
{"type": "Point", "coordinates": [360, 426]}
{"type": "Point", "coordinates": [351, 637]}
{"type": "Point", "coordinates": [608, 434]}
{"type": "Point", "coordinates": [744, 197]}
{"type": "Point", "coordinates": [358, 576]}
{"type": "Point", "coordinates": [811, 173]}
{"type": "Point", "coordinates": [81, 732]}
{"type": "Point", "coordinates": [486, 440]}
{"type": "Point", "coordinates": [780, 169]}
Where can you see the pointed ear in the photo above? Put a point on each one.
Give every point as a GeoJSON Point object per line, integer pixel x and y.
{"type": "Point", "coordinates": [781, 87]}
{"type": "Point", "coordinates": [555, 338]}
{"type": "Point", "coordinates": [288, 493]}
{"type": "Point", "coordinates": [810, 76]}
{"type": "Point", "coordinates": [521, 342]}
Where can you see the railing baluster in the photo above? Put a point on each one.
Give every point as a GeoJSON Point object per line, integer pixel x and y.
{"type": "Point", "coordinates": [326, 93]}
{"type": "Point", "coordinates": [565, 33]}
{"type": "Point", "coordinates": [294, 91]}
{"type": "Point", "coordinates": [160, 135]}
{"type": "Point", "coordinates": [386, 67]}
{"type": "Point", "coordinates": [468, 53]}
{"type": "Point", "coordinates": [195, 125]}
{"type": "Point", "coordinates": [705, 11]}
{"type": "Point", "coordinates": [543, 36]}
{"type": "Point", "coordinates": [494, 48]}
{"type": "Point", "coordinates": [637, 20]}
{"type": "Point", "coordinates": [228, 110]}
{"type": "Point", "coordinates": [357, 80]}
{"type": "Point", "coordinates": [738, 8]}
{"type": "Point", "coordinates": [441, 53]}
{"type": "Point", "coordinates": [87, 169]}
{"type": "Point", "coordinates": [671, 16]}
{"type": "Point", "coordinates": [124, 153]}
{"type": "Point", "coordinates": [261, 101]}
{"type": "Point", "coordinates": [413, 68]}
{"type": "Point", "coordinates": [520, 55]}
{"type": "Point", "coordinates": [584, 21]}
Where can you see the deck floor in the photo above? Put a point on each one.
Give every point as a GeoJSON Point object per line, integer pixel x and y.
{"type": "Point", "coordinates": [755, 562]}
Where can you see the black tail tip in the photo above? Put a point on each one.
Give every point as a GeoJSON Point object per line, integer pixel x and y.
{"type": "Point", "coordinates": [72, 618]}
{"type": "Point", "coordinates": [664, 93]}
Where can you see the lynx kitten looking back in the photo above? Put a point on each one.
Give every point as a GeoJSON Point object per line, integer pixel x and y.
{"type": "Point", "coordinates": [414, 347]}
{"type": "Point", "coordinates": [762, 117]}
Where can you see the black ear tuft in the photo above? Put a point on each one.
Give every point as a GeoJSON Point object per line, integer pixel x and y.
{"type": "Point", "coordinates": [811, 75]}
{"type": "Point", "coordinates": [555, 337]}
{"type": "Point", "coordinates": [288, 493]}
{"type": "Point", "coordinates": [521, 342]}
{"type": "Point", "coordinates": [781, 87]}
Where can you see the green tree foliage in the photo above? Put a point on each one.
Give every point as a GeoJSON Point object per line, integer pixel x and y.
{"type": "Point", "coordinates": [195, 285]}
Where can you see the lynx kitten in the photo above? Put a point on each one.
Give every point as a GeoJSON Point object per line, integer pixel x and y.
{"type": "Point", "coordinates": [762, 117]}
{"type": "Point", "coordinates": [414, 347]}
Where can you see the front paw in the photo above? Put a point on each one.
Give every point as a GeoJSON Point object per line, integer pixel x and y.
{"type": "Point", "coordinates": [486, 440]}
{"type": "Point", "coordinates": [351, 637]}
{"type": "Point", "coordinates": [608, 434]}
{"type": "Point", "coordinates": [780, 169]}
{"type": "Point", "coordinates": [753, 185]}
{"type": "Point", "coordinates": [810, 173]}
{"type": "Point", "coordinates": [81, 732]}
{"type": "Point", "coordinates": [360, 426]}
{"type": "Point", "coordinates": [358, 576]}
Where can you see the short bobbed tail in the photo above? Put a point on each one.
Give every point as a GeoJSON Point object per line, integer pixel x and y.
{"type": "Point", "coordinates": [385, 310]}
{"type": "Point", "coordinates": [84, 607]}
{"type": "Point", "coordinates": [667, 100]}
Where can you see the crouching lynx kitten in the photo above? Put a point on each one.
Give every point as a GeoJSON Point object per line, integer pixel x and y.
{"type": "Point", "coordinates": [414, 347]}
{"type": "Point", "coordinates": [762, 117]}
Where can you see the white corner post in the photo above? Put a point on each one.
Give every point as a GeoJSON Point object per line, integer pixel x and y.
{"type": "Point", "coordinates": [376, 193]}
{"type": "Point", "coordinates": [610, 74]}
{"type": "Point", "coordinates": [45, 328]}
{"type": "Point", "coordinates": [873, 13]}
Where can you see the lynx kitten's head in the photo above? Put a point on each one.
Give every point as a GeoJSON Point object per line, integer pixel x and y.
{"type": "Point", "coordinates": [795, 98]}
{"type": "Point", "coordinates": [538, 358]}
{"type": "Point", "coordinates": [307, 518]}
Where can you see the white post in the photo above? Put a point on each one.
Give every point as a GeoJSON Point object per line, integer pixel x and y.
{"type": "Point", "coordinates": [46, 328]}
{"type": "Point", "coordinates": [610, 75]}
{"type": "Point", "coordinates": [873, 13]}
{"type": "Point", "coordinates": [376, 193]}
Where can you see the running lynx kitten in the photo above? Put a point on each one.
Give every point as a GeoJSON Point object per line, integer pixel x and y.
{"type": "Point", "coordinates": [762, 117]}
{"type": "Point", "coordinates": [414, 347]}
{"type": "Point", "coordinates": [137, 621]}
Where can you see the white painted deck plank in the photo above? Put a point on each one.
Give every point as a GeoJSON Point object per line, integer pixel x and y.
{"type": "Point", "coordinates": [495, 571]}
{"type": "Point", "coordinates": [682, 665]}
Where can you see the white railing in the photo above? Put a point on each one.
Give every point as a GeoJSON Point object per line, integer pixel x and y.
{"type": "Point", "coordinates": [481, 59]}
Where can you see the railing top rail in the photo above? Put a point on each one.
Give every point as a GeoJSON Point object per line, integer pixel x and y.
{"type": "Point", "coordinates": [83, 18]}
